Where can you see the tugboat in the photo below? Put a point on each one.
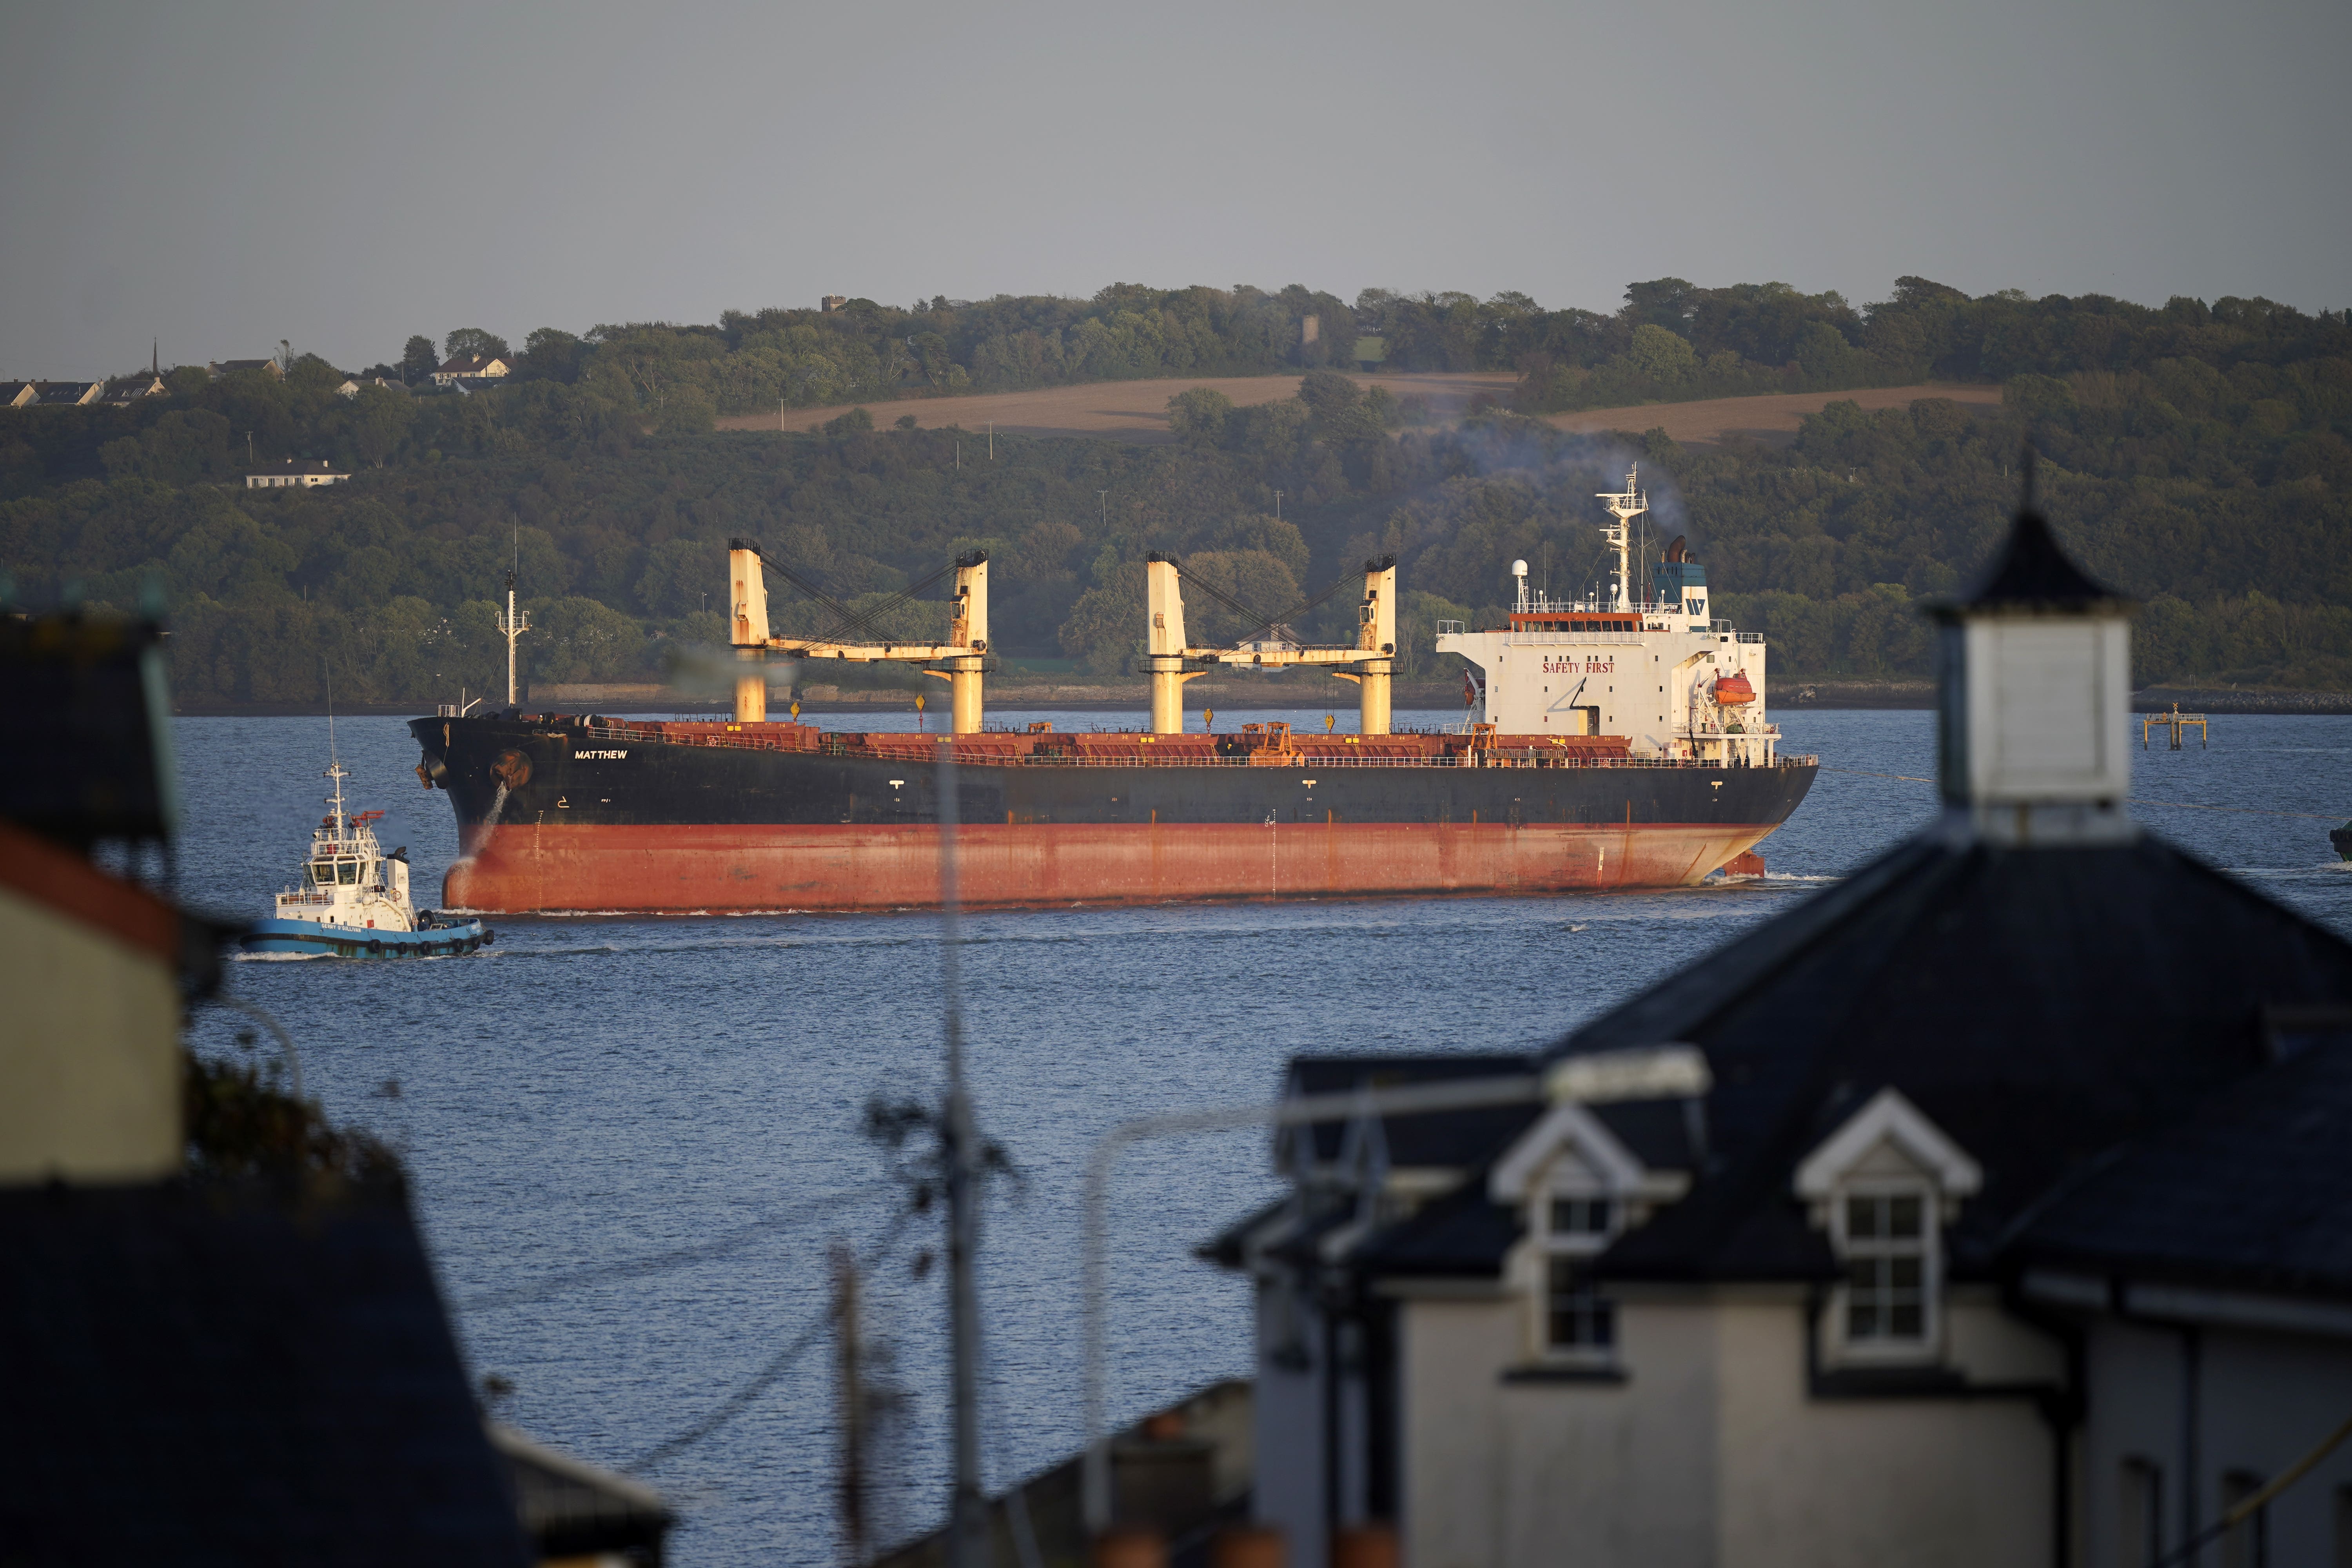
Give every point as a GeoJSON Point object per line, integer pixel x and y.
{"type": "Point", "coordinates": [353, 898]}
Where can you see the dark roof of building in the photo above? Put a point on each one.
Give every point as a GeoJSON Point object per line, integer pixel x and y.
{"type": "Point", "coordinates": [2253, 1191]}
{"type": "Point", "coordinates": [1464, 1233]}
{"type": "Point", "coordinates": [2009, 993]}
{"type": "Point", "coordinates": [2006, 993]}
{"type": "Point", "coordinates": [216, 1373]}
{"type": "Point", "coordinates": [573, 1510]}
{"type": "Point", "coordinates": [1453, 1138]}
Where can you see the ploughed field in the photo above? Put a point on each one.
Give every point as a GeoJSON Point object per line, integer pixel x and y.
{"type": "Point", "coordinates": [1138, 410]}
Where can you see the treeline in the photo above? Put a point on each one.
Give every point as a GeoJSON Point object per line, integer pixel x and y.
{"type": "Point", "coordinates": [1669, 340]}
{"type": "Point", "coordinates": [2208, 479]}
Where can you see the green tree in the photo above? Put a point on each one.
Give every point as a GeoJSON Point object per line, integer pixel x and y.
{"type": "Point", "coordinates": [380, 418]}
{"type": "Point", "coordinates": [471, 341]}
{"type": "Point", "coordinates": [1661, 356]}
{"type": "Point", "coordinates": [417, 361]}
{"type": "Point", "coordinates": [1198, 415]}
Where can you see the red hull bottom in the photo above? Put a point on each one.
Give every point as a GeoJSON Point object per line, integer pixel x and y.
{"type": "Point", "coordinates": [675, 869]}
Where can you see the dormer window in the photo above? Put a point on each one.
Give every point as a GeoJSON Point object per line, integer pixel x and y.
{"type": "Point", "coordinates": [1884, 1186]}
{"type": "Point", "coordinates": [1579, 1322]}
{"type": "Point", "coordinates": [1582, 1216]}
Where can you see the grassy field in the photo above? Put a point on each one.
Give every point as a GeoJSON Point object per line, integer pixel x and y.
{"type": "Point", "coordinates": [1137, 411]}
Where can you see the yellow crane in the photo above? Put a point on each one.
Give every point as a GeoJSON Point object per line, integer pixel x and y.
{"type": "Point", "coordinates": [1371, 660]}
{"type": "Point", "coordinates": [961, 661]}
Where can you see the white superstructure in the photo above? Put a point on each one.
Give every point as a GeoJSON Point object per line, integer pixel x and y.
{"type": "Point", "coordinates": [347, 881]}
{"type": "Point", "coordinates": [1655, 669]}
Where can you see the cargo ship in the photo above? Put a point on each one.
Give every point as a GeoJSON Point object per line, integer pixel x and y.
{"type": "Point", "coordinates": [1614, 741]}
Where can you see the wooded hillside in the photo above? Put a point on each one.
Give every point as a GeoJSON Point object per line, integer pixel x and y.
{"type": "Point", "coordinates": [2197, 457]}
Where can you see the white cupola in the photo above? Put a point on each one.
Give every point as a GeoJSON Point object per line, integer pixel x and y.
{"type": "Point", "coordinates": [2035, 676]}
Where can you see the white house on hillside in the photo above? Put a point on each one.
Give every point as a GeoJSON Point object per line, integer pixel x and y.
{"type": "Point", "coordinates": [1993, 1207]}
{"type": "Point", "coordinates": [471, 367]}
{"type": "Point", "coordinates": [296, 473]}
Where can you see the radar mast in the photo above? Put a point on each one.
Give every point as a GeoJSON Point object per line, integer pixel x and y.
{"type": "Point", "coordinates": [1624, 507]}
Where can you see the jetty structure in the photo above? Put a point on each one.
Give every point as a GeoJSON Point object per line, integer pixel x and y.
{"type": "Point", "coordinates": [1989, 1206]}
{"type": "Point", "coordinates": [1621, 741]}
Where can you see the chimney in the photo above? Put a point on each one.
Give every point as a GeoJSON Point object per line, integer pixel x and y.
{"type": "Point", "coordinates": [2036, 699]}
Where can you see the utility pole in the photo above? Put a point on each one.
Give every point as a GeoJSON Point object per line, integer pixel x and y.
{"type": "Point", "coordinates": [967, 1513]}
{"type": "Point", "coordinates": [1104, 497]}
{"type": "Point", "coordinates": [853, 1407]}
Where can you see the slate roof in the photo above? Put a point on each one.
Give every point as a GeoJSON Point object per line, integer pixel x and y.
{"type": "Point", "coordinates": [1453, 1138]}
{"type": "Point", "coordinates": [2011, 994]}
{"type": "Point", "coordinates": [2252, 1192]}
{"type": "Point", "coordinates": [573, 1510]}
{"type": "Point", "coordinates": [212, 1375]}
{"type": "Point", "coordinates": [2007, 992]}
{"type": "Point", "coordinates": [1463, 1234]}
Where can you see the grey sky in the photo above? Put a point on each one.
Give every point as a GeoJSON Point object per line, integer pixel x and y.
{"type": "Point", "coordinates": [225, 175]}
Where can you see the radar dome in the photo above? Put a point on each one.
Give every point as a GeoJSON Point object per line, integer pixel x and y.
{"type": "Point", "coordinates": [1519, 568]}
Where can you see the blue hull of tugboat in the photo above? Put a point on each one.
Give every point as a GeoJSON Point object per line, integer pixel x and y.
{"type": "Point", "coordinates": [310, 939]}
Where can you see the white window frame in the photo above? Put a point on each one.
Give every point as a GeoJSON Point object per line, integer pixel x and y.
{"type": "Point", "coordinates": [1574, 1247]}
{"type": "Point", "coordinates": [1886, 1348]}
{"type": "Point", "coordinates": [1943, 1177]}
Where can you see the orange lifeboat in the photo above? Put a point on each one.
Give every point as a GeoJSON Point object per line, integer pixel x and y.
{"type": "Point", "coordinates": [1733, 689]}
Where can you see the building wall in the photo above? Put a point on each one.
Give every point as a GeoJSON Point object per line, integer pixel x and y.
{"type": "Point", "coordinates": [1711, 1453]}
{"type": "Point", "coordinates": [1501, 1471]}
{"type": "Point", "coordinates": [1864, 1483]}
{"type": "Point", "coordinates": [90, 1072]}
{"type": "Point", "coordinates": [2263, 1401]}
{"type": "Point", "coordinates": [1289, 1423]}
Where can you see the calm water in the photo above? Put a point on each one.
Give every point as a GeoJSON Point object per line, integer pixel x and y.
{"type": "Point", "coordinates": [595, 1092]}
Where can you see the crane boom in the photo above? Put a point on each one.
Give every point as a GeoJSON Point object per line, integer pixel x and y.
{"type": "Point", "coordinates": [963, 654]}
{"type": "Point", "coordinates": [1370, 661]}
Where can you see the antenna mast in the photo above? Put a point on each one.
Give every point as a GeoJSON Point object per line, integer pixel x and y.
{"type": "Point", "coordinates": [512, 624]}
{"type": "Point", "coordinates": [1624, 507]}
{"type": "Point", "coordinates": [334, 758]}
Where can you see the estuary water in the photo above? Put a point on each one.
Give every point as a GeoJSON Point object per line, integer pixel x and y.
{"type": "Point", "coordinates": [633, 1141]}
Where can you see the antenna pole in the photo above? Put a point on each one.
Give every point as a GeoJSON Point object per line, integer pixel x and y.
{"type": "Point", "coordinates": [1624, 507]}
{"type": "Point", "coordinates": [967, 1518]}
{"type": "Point", "coordinates": [512, 624]}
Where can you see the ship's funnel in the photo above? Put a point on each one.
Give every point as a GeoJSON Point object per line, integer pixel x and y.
{"type": "Point", "coordinates": [748, 628]}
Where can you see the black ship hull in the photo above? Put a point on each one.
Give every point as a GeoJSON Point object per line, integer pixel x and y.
{"type": "Point", "coordinates": [563, 814]}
